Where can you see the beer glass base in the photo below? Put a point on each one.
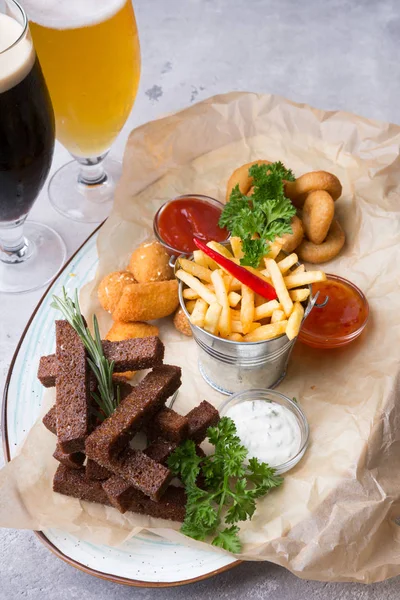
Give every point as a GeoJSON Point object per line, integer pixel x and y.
{"type": "Point", "coordinates": [46, 254]}
{"type": "Point", "coordinates": [81, 202]}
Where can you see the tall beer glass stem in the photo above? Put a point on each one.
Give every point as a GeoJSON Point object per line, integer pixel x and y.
{"type": "Point", "coordinates": [14, 247]}
{"type": "Point", "coordinates": [92, 170]}
{"type": "Point", "coordinates": [83, 189]}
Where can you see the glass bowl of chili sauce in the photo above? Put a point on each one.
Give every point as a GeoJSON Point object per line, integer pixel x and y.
{"type": "Point", "coordinates": [338, 322]}
{"type": "Point", "coordinates": [178, 221]}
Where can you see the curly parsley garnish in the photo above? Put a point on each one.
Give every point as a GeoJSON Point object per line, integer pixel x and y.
{"type": "Point", "coordinates": [230, 488]}
{"type": "Point", "coordinates": [262, 217]}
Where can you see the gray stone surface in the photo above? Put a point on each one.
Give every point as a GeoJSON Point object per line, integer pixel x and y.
{"type": "Point", "coordinates": [339, 54]}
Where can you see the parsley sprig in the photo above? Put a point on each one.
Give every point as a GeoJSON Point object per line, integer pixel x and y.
{"type": "Point", "coordinates": [231, 486]}
{"type": "Point", "coordinates": [262, 217]}
{"type": "Point", "coordinates": [107, 398]}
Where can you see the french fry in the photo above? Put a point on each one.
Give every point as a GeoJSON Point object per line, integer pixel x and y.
{"type": "Point", "coordinates": [199, 312]}
{"type": "Point", "coordinates": [299, 295]}
{"type": "Point", "coordinates": [190, 305]}
{"type": "Point", "coordinates": [211, 264]}
{"type": "Point", "coordinates": [299, 269]}
{"type": "Point", "coordinates": [266, 332]}
{"type": "Point", "coordinates": [227, 280]}
{"type": "Point", "coordinates": [294, 321]}
{"type": "Point", "coordinates": [211, 319]}
{"type": "Point", "coordinates": [261, 274]}
{"type": "Point", "coordinates": [287, 263]}
{"type": "Point", "coordinates": [234, 337]}
{"type": "Point", "coordinates": [234, 298]}
{"type": "Point", "coordinates": [279, 285]}
{"type": "Point", "coordinates": [194, 269]}
{"type": "Point", "coordinates": [225, 320]}
{"type": "Point", "coordinates": [258, 300]}
{"type": "Point", "coordinates": [247, 308]}
{"type": "Point", "coordinates": [189, 294]}
{"type": "Point", "coordinates": [197, 286]}
{"type": "Point", "coordinates": [200, 258]}
{"type": "Point", "coordinates": [266, 309]}
{"type": "Point", "coordinates": [236, 245]}
{"type": "Point", "coordinates": [299, 279]}
{"type": "Point", "coordinates": [277, 315]}
{"type": "Point", "coordinates": [220, 249]}
{"type": "Point", "coordinates": [237, 327]}
{"type": "Point", "coordinates": [235, 285]}
{"type": "Point", "coordinates": [274, 250]}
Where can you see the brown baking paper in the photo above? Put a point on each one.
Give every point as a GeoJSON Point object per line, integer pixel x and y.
{"type": "Point", "coordinates": [334, 519]}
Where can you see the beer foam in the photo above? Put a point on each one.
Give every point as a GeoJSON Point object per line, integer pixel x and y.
{"type": "Point", "coordinates": [15, 61]}
{"type": "Point", "coordinates": [70, 14]}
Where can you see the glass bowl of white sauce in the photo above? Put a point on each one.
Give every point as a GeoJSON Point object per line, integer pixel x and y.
{"type": "Point", "coordinates": [270, 425]}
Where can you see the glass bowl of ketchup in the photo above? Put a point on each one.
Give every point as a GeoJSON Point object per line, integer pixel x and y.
{"type": "Point", "coordinates": [341, 320]}
{"type": "Point", "coordinates": [178, 221]}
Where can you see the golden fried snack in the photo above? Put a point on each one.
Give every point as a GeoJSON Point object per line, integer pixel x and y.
{"type": "Point", "coordinates": [181, 322]}
{"type": "Point", "coordinates": [147, 301]}
{"type": "Point", "coordinates": [150, 262]}
{"type": "Point", "coordinates": [111, 287]}
{"type": "Point", "coordinates": [290, 241]}
{"type": "Point", "coordinates": [125, 331]}
{"type": "Point", "coordinates": [242, 178]}
{"type": "Point", "coordinates": [250, 192]}
{"type": "Point", "coordinates": [320, 253]}
{"type": "Point", "coordinates": [298, 190]}
{"type": "Point", "coordinates": [318, 212]}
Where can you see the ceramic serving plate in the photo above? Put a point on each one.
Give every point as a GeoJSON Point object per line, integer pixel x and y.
{"type": "Point", "coordinates": [146, 559]}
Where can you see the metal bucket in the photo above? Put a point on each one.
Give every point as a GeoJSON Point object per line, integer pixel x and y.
{"type": "Point", "coordinates": [230, 367]}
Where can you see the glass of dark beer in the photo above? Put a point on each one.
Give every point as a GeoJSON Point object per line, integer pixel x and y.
{"type": "Point", "coordinates": [31, 254]}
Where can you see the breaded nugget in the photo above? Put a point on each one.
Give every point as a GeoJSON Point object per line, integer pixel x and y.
{"type": "Point", "coordinates": [318, 212]}
{"type": "Point", "coordinates": [181, 322]}
{"type": "Point", "coordinates": [111, 286]}
{"type": "Point", "coordinates": [147, 301]}
{"type": "Point", "coordinates": [125, 331]}
{"type": "Point", "coordinates": [330, 247]}
{"type": "Point", "coordinates": [150, 262]}
{"type": "Point", "coordinates": [290, 241]}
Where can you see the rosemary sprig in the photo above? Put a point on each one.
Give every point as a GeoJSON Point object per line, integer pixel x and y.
{"type": "Point", "coordinates": [103, 369]}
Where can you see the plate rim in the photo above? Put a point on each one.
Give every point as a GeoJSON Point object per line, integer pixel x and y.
{"type": "Point", "coordinates": [6, 449]}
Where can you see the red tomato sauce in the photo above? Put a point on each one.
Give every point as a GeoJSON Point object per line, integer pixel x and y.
{"type": "Point", "coordinates": [344, 313]}
{"type": "Point", "coordinates": [183, 219]}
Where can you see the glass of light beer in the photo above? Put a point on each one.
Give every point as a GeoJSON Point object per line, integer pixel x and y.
{"type": "Point", "coordinates": [90, 55]}
{"type": "Point", "coordinates": [31, 254]}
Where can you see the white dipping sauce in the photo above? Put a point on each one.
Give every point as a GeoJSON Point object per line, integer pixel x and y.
{"type": "Point", "coordinates": [268, 430]}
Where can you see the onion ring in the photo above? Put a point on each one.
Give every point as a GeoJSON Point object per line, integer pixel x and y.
{"type": "Point", "coordinates": [241, 177]}
{"type": "Point", "coordinates": [320, 253]}
{"type": "Point", "coordinates": [290, 241]}
{"type": "Point", "coordinates": [298, 190]}
{"type": "Point", "coordinates": [318, 212]}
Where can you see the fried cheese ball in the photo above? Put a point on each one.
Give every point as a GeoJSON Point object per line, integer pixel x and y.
{"type": "Point", "coordinates": [111, 287]}
{"type": "Point", "coordinates": [147, 301]}
{"type": "Point", "coordinates": [150, 262]}
{"type": "Point", "coordinates": [181, 322]}
{"type": "Point", "coordinates": [125, 331]}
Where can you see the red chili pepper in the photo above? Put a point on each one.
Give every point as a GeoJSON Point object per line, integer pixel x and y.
{"type": "Point", "coordinates": [255, 283]}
